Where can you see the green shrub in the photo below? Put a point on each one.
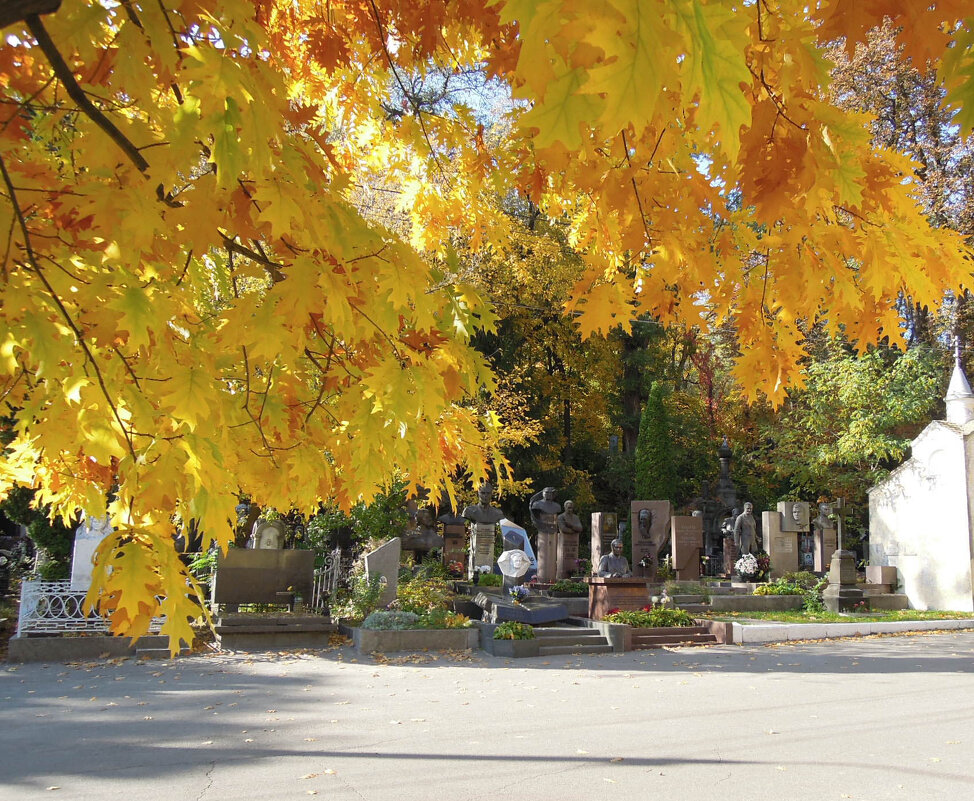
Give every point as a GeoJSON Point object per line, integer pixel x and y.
{"type": "Point", "coordinates": [432, 567]}
{"type": "Point", "coordinates": [813, 597]}
{"type": "Point", "coordinates": [687, 588]}
{"type": "Point", "coordinates": [390, 620]}
{"type": "Point", "coordinates": [444, 619]}
{"type": "Point", "coordinates": [359, 599]}
{"type": "Point", "coordinates": [803, 578]}
{"type": "Point", "coordinates": [658, 617]}
{"type": "Point", "coordinates": [513, 630]}
{"type": "Point", "coordinates": [421, 595]}
{"type": "Point", "coordinates": [491, 580]}
{"type": "Point", "coordinates": [779, 587]}
{"type": "Point", "coordinates": [574, 587]}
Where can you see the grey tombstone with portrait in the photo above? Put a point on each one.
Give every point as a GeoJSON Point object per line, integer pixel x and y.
{"type": "Point", "coordinates": [268, 535]}
{"type": "Point", "coordinates": [650, 533]}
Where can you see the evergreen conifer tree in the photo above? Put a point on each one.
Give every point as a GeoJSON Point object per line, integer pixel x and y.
{"type": "Point", "coordinates": [655, 471]}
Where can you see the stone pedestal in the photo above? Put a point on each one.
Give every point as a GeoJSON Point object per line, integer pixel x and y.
{"type": "Point", "coordinates": [567, 554]}
{"type": "Point", "coordinates": [686, 540]}
{"type": "Point", "coordinates": [454, 543]}
{"type": "Point", "coordinates": [547, 556]}
{"type": "Point", "coordinates": [626, 594]}
{"type": "Point", "coordinates": [482, 537]}
{"type": "Point", "coordinates": [730, 555]}
{"type": "Point", "coordinates": [824, 543]}
{"type": "Point", "coordinates": [843, 593]}
{"type": "Point", "coordinates": [877, 574]}
{"type": "Point", "coordinates": [781, 546]}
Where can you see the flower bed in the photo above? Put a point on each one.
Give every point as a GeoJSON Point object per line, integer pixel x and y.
{"type": "Point", "coordinates": [651, 617]}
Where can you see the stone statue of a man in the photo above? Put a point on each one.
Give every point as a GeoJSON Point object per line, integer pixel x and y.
{"type": "Point", "coordinates": [544, 511]}
{"type": "Point", "coordinates": [614, 565]}
{"type": "Point", "coordinates": [568, 521]}
{"type": "Point", "coordinates": [483, 512]}
{"type": "Point", "coordinates": [745, 530]}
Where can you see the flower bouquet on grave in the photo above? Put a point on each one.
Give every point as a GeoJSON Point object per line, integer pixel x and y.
{"type": "Point", "coordinates": [764, 566]}
{"type": "Point", "coordinates": [747, 567]}
{"type": "Point", "coordinates": [455, 569]}
{"type": "Point", "coordinates": [519, 593]}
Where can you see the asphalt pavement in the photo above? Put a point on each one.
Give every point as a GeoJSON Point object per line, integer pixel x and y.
{"type": "Point", "coordinates": [871, 718]}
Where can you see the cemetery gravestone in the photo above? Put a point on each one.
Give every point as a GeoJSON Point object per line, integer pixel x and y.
{"type": "Point", "coordinates": [650, 522]}
{"type": "Point", "coordinates": [782, 545]}
{"type": "Point", "coordinates": [259, 575]}
{"type": "Point", "coordinates": [843, 592]}
{"type": "Point", "coordinates": [384, 561]}
{"type": "Point", "coordinates": [686, 540]}
{"type": "Point", "coordinates": [454, 539]}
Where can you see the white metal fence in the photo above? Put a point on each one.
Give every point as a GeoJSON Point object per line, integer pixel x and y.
{"type": "Point", "coordinates": [52, 607]}
{"type": "Point", "coordinates": [327, 578]}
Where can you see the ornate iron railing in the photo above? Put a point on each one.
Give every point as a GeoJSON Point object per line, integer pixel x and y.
{"type": "Point", "coordinates": [327, 578]}
{"type": "Point", "coordinates": [52, 607]}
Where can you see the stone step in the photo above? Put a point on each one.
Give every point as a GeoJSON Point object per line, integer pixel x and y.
{"type": "Point", "coordinates": [258, 628]}
{"type": "Point", "coordinates": [566, 631]}
{"type": "Point", "coordinates": [570, 639]}
{"type": "Point", "coordinates": [660, 640]}
{"type": "Point", "coordinates": [553, 650]}
{"type": "Point", "coordinates": [694, 607]}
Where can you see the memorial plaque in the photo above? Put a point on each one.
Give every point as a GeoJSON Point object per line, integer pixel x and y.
{"type": "Point", "coordinates": [795, 515]}
{"type": "Point", "coordinates": [686, 540]}
{"type": "Point", "coordinates": [482, 537]}
{"type": "Point", "coordinates": [781, 546]}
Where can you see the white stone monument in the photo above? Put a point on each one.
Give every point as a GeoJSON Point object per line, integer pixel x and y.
{"type": "Point", "coordinates": [920, 518]}
{"type": "Point", "coordinates": [87, 538]}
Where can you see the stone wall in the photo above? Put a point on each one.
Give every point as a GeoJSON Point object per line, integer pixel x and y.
{"type": "Point", "coordinates": [920, 520]}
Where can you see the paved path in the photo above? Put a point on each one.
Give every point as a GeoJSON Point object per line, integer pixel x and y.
{"type": "Point", "coordinates": [877, 718]}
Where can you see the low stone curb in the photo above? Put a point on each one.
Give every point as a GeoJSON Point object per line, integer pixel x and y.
{"type": "Point", "coordinates": [783, 632]}
{"type": "Point", "coordinates": [368, 641]}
